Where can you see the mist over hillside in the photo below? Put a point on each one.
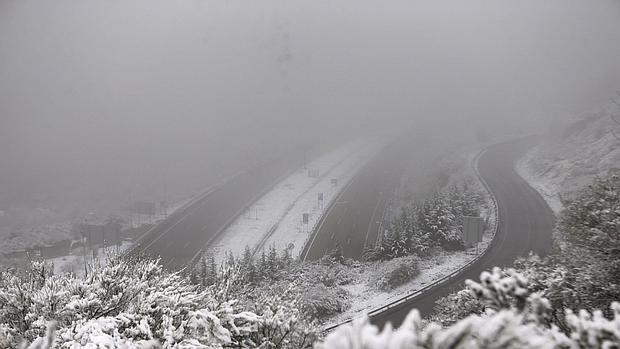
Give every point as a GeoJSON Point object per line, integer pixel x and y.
{"type": "Point", "coordinates": [103, 101]}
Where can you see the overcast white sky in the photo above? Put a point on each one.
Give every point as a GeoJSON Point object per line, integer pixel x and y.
{"type": "Point", "coordinates": [99, 98]}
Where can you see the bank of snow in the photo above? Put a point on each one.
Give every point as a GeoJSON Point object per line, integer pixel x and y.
{"type": "Point", "coordinates": [568, 160]}
{"type": "Point", "coordinates": [276, 218]}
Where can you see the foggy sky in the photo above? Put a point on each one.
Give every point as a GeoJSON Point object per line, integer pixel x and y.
{"type": "Point", "coordinates": [103, 99]}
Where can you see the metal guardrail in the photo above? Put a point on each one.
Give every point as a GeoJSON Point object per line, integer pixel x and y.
{"type": "Point", "coordinates": [450, 276]}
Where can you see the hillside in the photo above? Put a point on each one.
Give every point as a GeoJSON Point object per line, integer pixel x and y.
{"type": "Point", "coordinates": [569, 159]}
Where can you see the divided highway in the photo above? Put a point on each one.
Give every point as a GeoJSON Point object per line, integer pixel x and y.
{"type": "Point", "coordinates": [354, 217]}
{"type": "Point", "coordinates": [525, 224]}
{"type": "Point", "coordinates": [179, 238]}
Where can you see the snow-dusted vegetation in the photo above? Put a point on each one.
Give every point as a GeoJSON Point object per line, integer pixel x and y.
{"type": "Point", "coordinates": [583, 272]}
{"type": "Point", "coordinates": [515, 317]}
{"type": "Point", "coordinates": [565, 300]}
{"type": "Point", "coordinates": [429, 224]}
{"type": "Point", "coordinates": [421, 245]}
{"type": "Point", "coordinates": [136, 303]}
{"type": "Point", "coordinates": [570, 159]}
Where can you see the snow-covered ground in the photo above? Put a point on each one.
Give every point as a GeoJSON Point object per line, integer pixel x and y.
{"type": "Point", "coordinates": [549, 189]}
{"type": "Point", "coordinates": [568, 161]}
{"type": "Point", "coordinates": [21, 228]}
{"type": "Point", "coordinates": [19, 238]}
{"type": "Point", "coordinates": [74, 263]}
{"type": "Point", "coordinates": [276, 218]}
{"type": "Point", "coordinates": [367, 296]}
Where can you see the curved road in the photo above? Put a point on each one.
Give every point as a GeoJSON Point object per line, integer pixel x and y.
{"type": "Point", "coordinates": [525, 224]}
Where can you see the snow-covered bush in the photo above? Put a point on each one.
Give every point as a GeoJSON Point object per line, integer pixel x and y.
{"type": "Point", "coordinates": [514, 318]}
{"type": "Point", "coordinates": [590, 225]}
{"type": "Point", "coordinates": [283, 325]}
{"type": "Point", "coordinates": [397, 272]}
{"type": "Point", "coordinates": [583, 271]}
{"type": "Point", "coordinates": [504, 329]}
{"type": "Point", "coordinates": [425, 225]}
{"type": "Point", "coordinates": [136, 303]}
{"type": "Point", "coordinates": [320, 301]}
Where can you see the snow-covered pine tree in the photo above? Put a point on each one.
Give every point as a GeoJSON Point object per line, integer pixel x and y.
{"type": "Point", "coordinates": [248, 267]}
{"type": "Point", "coordinates": [273, 264]}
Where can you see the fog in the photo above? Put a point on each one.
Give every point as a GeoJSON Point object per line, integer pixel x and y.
{"type": "Point", "coordinates": [102, 102]}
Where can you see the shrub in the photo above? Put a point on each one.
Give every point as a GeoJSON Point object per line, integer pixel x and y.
{"type": "Point", "coordinates": [321, 301]}
{"type": "Point", "coordinates": [399, 271]}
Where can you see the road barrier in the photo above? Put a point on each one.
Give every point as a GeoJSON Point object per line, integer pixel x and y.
{"type": "Point", "coordinates": [443, 280]}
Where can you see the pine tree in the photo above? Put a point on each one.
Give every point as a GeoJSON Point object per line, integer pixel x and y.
{"type": "Point", "coordinates": [203, 270]}
{"type": "Point", "coordinates": [247, 264]}
{"type": "Point", "coordinates": [210, 271]}
{"type": "Point", "coordinates": [385, 249]}
{"type": "Point", "coordinates": [272, 262]}
{"type": "Point", "coordinates": [263, 271]}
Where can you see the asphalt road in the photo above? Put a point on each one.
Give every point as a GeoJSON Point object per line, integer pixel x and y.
{"type": "Point", "coordinates": [525, 224]}
{"type": "Point", "coordinates": [183, 235]}
{"type": "Point", "coordinates": [354, 217]}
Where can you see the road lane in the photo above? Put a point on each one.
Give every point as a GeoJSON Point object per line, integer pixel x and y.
{"type": "Point", "coordinates": [354, 217]}
{"type": "Point", "coordinates": [525, 224]}
{"type": "Point", "coordinates": [184, 234]}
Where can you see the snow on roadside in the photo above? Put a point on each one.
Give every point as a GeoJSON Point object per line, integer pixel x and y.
{"type": "Point", "coordinates": [545, 187]}
{"type": "Point", "coordinates": [568, 161]}
{"type": "Point", "coordinates": [290, 229]}
{"type": "Point", "coordinates": [276, 217]}
{"type": "Point", "coordinates": [368, 297]}
{"type": "Point", "coordinates": [74, 263]}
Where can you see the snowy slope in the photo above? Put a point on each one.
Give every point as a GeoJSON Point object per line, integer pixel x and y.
{"type": "Point", "coordinates": [568, 161]}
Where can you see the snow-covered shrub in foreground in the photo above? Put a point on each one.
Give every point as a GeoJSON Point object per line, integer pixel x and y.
{"type": "Point", "coordinates": [514, 317]}
{"type": "Point", "coordinates": [135, 303]}
{"type": "Point", "coordinates": [503, 329]}
{"type": "Point", "coordinates": [399, 271]}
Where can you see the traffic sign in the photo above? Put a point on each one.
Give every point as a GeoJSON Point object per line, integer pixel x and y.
{"type": "Point", "coordinates": [473, 228]}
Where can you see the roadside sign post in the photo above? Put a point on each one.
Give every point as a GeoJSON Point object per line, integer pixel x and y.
{"type": "Point", "coordinates": [304, 219]}
{"type": "Point", "coordinates": [320, 200]}
{"type": "Point", "coordinates": [473, 228]}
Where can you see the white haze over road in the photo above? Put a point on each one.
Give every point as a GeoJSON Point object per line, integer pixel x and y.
{"type": "Point", "coordinates": [103, 102]}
